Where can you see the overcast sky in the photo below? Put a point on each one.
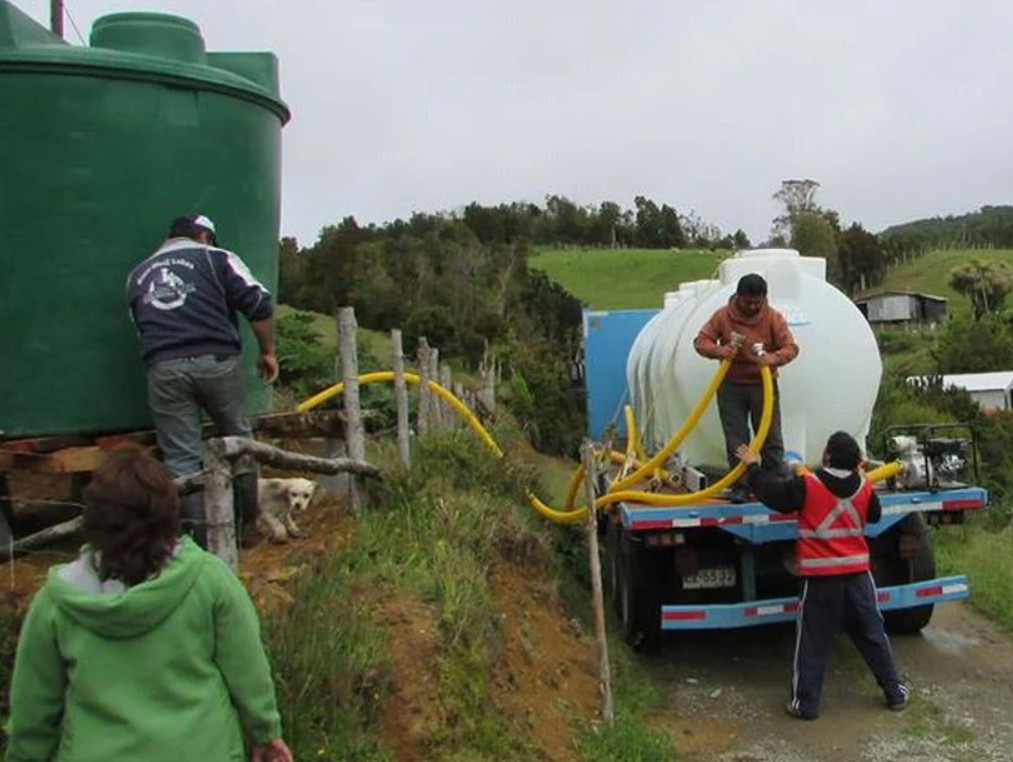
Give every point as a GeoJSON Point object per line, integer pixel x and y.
{"type": "Point", "coordinates": [899, 109]}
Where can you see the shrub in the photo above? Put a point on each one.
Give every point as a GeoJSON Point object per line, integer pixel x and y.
{"type": "Point", "coordinates": [305, 365]}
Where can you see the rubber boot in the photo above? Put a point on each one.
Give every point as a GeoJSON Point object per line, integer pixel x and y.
{"type": "Point", "coordinates": [245, 504]}
{"type": "Point", "coordinates": [191, 519]}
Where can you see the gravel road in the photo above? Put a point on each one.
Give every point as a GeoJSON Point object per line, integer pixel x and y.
{"type": "Point", "coordinates": [728, 691]}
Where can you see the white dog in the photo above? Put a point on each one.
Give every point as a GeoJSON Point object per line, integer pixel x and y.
{"type": "Point", "coordinates": [279, 499]}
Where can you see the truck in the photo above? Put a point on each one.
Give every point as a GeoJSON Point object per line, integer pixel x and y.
{"type": "Point", "coordinates": [715, 564]}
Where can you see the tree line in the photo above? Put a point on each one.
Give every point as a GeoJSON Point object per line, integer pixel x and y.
{"type": "Point", "coordinates": [991, 227]}
{"type": "Point", "coordinates": [857, 259]}
{"type": "Point", "coordinates": [562, 222]}
{"type": "Point", "coordinates": [462, 280]}
{"type": "Point", "coordinates": [475, 299]}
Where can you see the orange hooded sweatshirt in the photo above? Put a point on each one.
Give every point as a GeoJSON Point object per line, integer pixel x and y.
{"type": "Point", "coordinates": [767, 327]}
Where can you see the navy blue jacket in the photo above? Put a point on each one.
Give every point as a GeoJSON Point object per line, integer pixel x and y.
{"type": "Point", "coordinates": [184, 299]}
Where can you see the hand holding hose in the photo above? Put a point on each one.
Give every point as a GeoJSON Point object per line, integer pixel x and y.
{"type": "Point", "coordinates": [730, 350]}
{"type": "Point", "coordinates": [762, 357]}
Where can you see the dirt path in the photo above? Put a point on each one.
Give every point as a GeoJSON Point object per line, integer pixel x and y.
{"type": "Point", "coordinates": [728, 690]}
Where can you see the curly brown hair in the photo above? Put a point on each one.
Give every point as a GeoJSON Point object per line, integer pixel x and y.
{"type": "Point", "coordinates": [131, 515]}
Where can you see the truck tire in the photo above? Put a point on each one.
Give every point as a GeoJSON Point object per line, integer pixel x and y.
{"type": "Point", "coordinates": [638, 583]}
{"type": "Point", "coordinates": [917, 569]}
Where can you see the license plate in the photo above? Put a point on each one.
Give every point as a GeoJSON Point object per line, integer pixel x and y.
{"type": "Point", "coordinates": [717, 576]}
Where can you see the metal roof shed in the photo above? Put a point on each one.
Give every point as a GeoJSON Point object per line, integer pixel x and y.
{"type": "Point", "coordinates": [990, 390]}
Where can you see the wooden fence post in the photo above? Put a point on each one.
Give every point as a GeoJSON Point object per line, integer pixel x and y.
{"type": "Point", "coordinates": [401, 400]}
{"type": "Point", "coordinates": [425, 396]}
{"type": "Point", "coordinates": [461, 394]}
{"type": "Point", "coordinates": [354, 432]}
{"type": "Point", "coordinates": [446, 414]}
{"type": "Point", "coordinates": [597, 596]}
{"type": "Point", "coordinates": [219, 506]}
{"type": "Point", "coordinates": [435, 403]}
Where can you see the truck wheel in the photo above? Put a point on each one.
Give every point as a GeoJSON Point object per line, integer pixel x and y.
{"type": "Point", "coordinates": [639, 579]}
{"type": "Point", "coordinates": [917, 569]}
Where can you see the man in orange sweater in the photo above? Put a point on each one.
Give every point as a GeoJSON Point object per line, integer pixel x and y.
{"type": "Point", "coordinates": [750, 333]}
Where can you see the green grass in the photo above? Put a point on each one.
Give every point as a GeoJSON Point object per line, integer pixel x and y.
{"type": "Point", "coordinates": [614, 279]}
{"type": "Point", "coordinates": [639, 278]}
{"type": "Point", "coordinates": [928, 274]}
{"type": "Point", "coordinates": [987, 559]}
{"type": "Point", "coordinates": [925, 720]}
{"type": "Point", "coordinates": [377, 342]}
{"type": "Point", "coordinates": [330, 665]}
{"type": "Point", "coordinates": [636, 694]}
{"type": "Point", "coordinates": [907, 351]}
{"type": "Point", "coordinates": [432, 535]}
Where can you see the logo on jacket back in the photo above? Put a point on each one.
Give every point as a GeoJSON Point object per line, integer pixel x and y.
{"type": "Point", "coordinates": [167, 291]}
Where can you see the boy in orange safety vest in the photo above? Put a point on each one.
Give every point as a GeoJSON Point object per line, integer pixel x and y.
{"type": "Point", "coordinates": [832, 558]}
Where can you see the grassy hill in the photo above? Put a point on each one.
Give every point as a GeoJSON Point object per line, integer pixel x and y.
{"type": "Point", "coordinates": [928, 274]}
{"type": "Point", "coordinates": [635, 278]}
{"type": "Point", "coordinates": [638, 278]}
{"type": "Point", "coordinates": [612, 279]}
{"type": "Point", "coordinates": [376, 342]}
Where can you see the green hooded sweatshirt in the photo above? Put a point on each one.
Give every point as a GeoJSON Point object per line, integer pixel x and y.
{"type": "Point", "coordinates": [170, 669]}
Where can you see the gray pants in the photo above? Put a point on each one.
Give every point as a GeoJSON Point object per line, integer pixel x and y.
{"type": "Point", "coordinates": [740, 405]}
{"type": "Point", "coordinates": [179, 391]}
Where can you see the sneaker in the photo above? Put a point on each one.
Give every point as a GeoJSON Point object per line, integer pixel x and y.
{"type": "Point", "coordinates": [901, 702]}
{"type": "Point", "coordinates": [797, 713]}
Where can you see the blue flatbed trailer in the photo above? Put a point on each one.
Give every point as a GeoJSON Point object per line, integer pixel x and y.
{"type": "Point", "coordinates": [720, 565]}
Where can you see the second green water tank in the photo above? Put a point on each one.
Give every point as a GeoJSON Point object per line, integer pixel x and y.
{"type": "Point", "coordinates": [100, 147]}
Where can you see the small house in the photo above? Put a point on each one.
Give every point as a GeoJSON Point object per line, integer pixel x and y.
{"type": "Point", "coordinates": [897, 307]}
{"type": "Point", "coordinates": [992, 391]}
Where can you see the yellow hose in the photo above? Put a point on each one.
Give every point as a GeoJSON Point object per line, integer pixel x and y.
{"type": "Point", "coordinates": [473, 423]}
{"type": "Point", "coordinates": [631, 434]}
{"type": "Point", "coordinates": [411, 378]}
{"type": "Point", "coordinates": [885, 471]}
{"type": "Point", "coordinates": [617, 492]}
{"type": "Point", "coordinates": [634, 448]}
{"type": "Point", "coordinates": [577, 514]}
{"type": "Point", "coordinates": [687, 426]}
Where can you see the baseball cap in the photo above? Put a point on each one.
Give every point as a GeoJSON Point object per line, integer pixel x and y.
{"type": "Point", "coordinates": [189, 224]}
{"type": "Point", "coordinates": [203, 221]}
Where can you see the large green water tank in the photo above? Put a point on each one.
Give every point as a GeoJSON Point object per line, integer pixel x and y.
{"type": "Point", "coordinates": [100, 147]}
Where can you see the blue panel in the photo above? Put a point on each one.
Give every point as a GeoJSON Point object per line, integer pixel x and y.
{"type": "Point", "coordinates": [608, 337]}
{"type": "Point", "coordinates": [731, 615]}
{"type": "Point", "coordinates": [741, 517]}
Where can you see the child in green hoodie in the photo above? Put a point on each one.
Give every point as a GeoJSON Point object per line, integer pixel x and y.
{"type": "Point", "coordinates": [145, 647]}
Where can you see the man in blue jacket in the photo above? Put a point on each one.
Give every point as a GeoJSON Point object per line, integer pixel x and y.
{"type": "Point", "coordinates": [183, 300]}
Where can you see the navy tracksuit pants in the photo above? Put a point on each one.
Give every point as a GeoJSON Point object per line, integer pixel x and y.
{"type": "Point", "coordinates": [826, 605]}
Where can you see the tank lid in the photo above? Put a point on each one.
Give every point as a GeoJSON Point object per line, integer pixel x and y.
{"type": "Point", "coordinates": [150, 47]}
{"type": "Point", "coordinates": [767, 253]}
{"type": "Point", "coordinates": [153, 34]}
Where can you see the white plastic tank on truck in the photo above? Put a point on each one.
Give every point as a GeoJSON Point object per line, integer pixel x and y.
{"type": "Point", "coordinates": [715, 564]}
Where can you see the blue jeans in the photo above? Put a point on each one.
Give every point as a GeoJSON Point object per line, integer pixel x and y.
{"type": "Point", "coordinates": [179, 391]}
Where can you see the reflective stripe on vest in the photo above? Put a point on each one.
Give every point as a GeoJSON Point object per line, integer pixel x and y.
{"type": "Point", "coordinates": [831, 530]}
{"type": "Point", "coordinates": [821, 563]}
{"type": "Point", "coordinates": [823, 531]}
